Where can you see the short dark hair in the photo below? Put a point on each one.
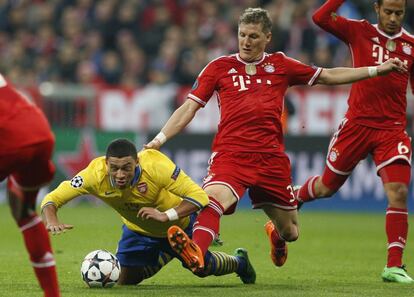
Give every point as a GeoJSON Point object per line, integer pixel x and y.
{"type": "Point", "coordinates": [120, 148]}
{"type": "Point", "coordinates": [257, 16]}
{"type": "Point", "coordinates": [382, 1]}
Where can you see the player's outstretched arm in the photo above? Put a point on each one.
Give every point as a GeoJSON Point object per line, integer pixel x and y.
{"type": "Point", "coordinates": [176, 123]}
{"type": "Point", "coordinates": [342, 75]}
{"type": "Point", "coordinates": [184, 209]}
{"type": "Point", "coordinates": [49, 214]}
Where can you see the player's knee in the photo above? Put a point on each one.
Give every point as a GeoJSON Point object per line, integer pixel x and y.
{"type": "Point", "coordinates": [397, 194]}
{"type": "Point", "coordinates": [290, 234]}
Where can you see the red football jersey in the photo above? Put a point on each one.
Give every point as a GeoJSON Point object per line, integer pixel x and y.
{"type": "Point", "coordinates": [250, 98]}
{"type": "Point", "coordinates": [379, 102]}
{"type": "Point", "coordinates": [16, 114]}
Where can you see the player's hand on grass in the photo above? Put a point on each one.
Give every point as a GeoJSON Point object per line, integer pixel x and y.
{"type": "Point", "coordinates": [152, 213]}
{"type": "Point", "coordinates": [58, 228]}
{"type": "Point", "coordinates": [393, 64]}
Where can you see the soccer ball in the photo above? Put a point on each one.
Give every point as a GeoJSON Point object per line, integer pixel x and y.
{"type": "Point", "coordinates": [100, 268]}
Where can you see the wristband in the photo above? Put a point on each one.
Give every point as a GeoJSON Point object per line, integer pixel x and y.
{"type": "Point", "coordinates": [161, 138]}
{"type": "Point", "coordinates": [373, 71]}
{"type": "Point", "coordinates": [171, 214]}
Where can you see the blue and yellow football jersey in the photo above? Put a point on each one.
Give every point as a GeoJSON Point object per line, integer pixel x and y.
{"type": "Point", "coordinates": [158, 183]}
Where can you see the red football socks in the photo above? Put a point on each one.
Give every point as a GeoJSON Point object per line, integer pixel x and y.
{"type": "Point", "coordinates": [396, 227]}
{"type": "Point", "coordinates": [39, 248]}
{"type": "Point", "coordinates": [307, 190]}
{"type": "Point", "coordinates": [207, 225]}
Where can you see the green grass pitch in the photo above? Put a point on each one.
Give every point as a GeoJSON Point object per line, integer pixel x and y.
{"type": "Point", "coordinates": [337, 254]}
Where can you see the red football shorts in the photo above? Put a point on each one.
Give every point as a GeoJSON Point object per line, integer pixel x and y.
{"type": "Point", "coordinates": [266, 175]}
{"type": "Point", "coordinates": [26, 150]}
{"type": "Point", "coordinates": [352, 143]}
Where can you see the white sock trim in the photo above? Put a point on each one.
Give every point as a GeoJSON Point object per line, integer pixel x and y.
{"type": "Point", "coordinates": [36, 220]}
{"type": "Point", "coordinates": [396, 244]}
{"type": "Point", "coordinates": [211, 232]}
{"type": "Point", "coordinates": [44, 264]}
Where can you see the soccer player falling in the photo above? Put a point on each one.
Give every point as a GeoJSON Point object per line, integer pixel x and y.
{"type": "Point", "coordinates": [375, 121]}
{"type": "Point", "coordinates": [26, 146]}
{"type": "Point", "coordinates": [248, 150]}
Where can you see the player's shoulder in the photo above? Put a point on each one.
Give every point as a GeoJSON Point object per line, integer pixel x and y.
{"type": "Point", "coordinates": [152, 157]}
{"type": "Point", "coordinates": [278, 57]}
{"type": "Point", "coordinates": [214, 65]}
{"type": "Point", "coordinates": [97, 169]}
{"type": "Point", "coordinates": [407, 36]}
{"type": "Point", "coordinates": [222, 61]}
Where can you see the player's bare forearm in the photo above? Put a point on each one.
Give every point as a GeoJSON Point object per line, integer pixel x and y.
{"type": "Point", "coordinates": [343, 75]}
{"type": "Point", "coordinates": [175, 124]}
{"type": "Point", "coordinates": [184, 209]}
{"type": "Point", "coordinates": [51, 221]}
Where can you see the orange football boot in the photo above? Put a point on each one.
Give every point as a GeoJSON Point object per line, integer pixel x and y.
{"type": "Point", "coordinates": [279, 250]}
{"type": "Point", "coordinates": [186, 248]}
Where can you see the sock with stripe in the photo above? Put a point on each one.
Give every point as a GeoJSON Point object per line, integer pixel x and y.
{"type": "Point", "coordinates": [39, 248]}
{"type": "Point", "coordinates": [207, 225]}
{"type": "Point", "coordinates": [396, 227]}
{"type": "Point", "coordinates": [219, 263]}
{"type": "Point", "coordinates": [307, 190]}
{"type": "Point", "coordinates": [163, 259]}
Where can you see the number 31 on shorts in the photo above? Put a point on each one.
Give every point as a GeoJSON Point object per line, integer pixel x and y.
{"type": "Point", "coordinates": [292, 193]}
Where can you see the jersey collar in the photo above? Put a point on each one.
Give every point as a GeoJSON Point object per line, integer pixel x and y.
{"type": "Point", "coordinates": [386, 35]}
{"type": "Point", "coordinates": [137, 175]}
{"type": "Point", "coordinates": [254, 63]}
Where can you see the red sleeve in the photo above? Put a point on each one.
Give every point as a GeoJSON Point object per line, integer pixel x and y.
{"type": "Point", "coordinates": [326, 18]}
{"type": "Point", "coordinates": [205, 84]}
{"type": "Point", "coordinates": [412, 79]}
{"type": "Point", "coordinates": [299, 73]}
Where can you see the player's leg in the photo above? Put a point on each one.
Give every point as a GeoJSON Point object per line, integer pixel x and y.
{"type": "Point", "coordinates": [321, 186]}
{"type": "Point", "coordinates": [392, 156]}
{"type": "Point", "coordinates": [22, 192]}
{"type": "Point", "coordinates": [350, 144]}
{"type": "Point", "coordinates": [140, 256]}
{"type": "Point", "coordinates": [219, 263]}
{"type": "Point", "coordinates": [223, 186]}
{"type": "Point", "coordinates": [207, 227]}
{"type": "Point", "coordinates": [282, 228]}
{"type": "Point", "coordinates": [133, 275]}
{"type": "Point", "coordinates": [273, 192]}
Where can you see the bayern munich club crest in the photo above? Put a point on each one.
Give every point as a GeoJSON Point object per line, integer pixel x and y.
{"type": "Point", "coordinates": [407, 49]}
{"type": "Point", "coordinates": [333, 155]}
{"type": "Point", "coordinates": [269, 68]}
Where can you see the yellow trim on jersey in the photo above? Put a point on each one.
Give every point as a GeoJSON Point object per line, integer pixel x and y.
{"type": "Point", "coordinates": [161, 185]}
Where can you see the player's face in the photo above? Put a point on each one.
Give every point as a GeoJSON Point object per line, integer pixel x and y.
{"type": "Point", "coordinates": [121, 170]}
{"type": "Point", "coordinates": [252, 41]}
{"type": "Point", "coordinates": [390, 15]}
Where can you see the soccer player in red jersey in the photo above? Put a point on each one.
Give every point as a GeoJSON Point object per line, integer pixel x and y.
{"type": "Point", "coordinates": [26, 145]}
{"type": "Point", "coordinates": [248, 150]}
{"type": "Point", "coordinates": [375, 121]}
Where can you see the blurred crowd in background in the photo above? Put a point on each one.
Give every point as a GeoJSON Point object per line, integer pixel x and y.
{"type": "Point", "coordinates": [130, 43]}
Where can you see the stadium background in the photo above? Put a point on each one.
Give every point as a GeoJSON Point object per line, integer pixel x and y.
{"type": "Point", "coordinates": [106, 69]}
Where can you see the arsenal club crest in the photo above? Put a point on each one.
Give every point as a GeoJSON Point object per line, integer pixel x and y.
{"type": "Point", "coordinates": [142, 187]}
